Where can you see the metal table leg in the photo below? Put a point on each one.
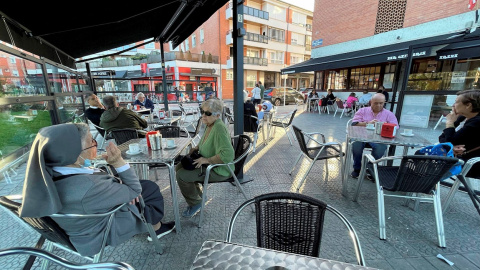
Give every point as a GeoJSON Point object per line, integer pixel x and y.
{"type": "Point", "coordinates": [173, 189]}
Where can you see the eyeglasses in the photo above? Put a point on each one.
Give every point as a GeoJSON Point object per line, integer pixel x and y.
{"type": "Point", "coordinates": [94, 142]}
{"type": "Point", "coordinates": [207, 113]}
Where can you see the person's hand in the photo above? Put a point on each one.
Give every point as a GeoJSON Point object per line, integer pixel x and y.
{"type": "Point", "coordinates": [114, 156]}
{"type": "Point", "coordinates": [200, 161]}
{"type": "Point", "coordinates": [459, 149]}
{"type": "Point", "coordinates": [451, 118]}
{"type": "Point", "coordinates": [373, 121]}
{"type": "Point", "coordinates": [134, 200]}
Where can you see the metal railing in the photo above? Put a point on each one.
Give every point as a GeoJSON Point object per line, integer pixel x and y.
{"type": "Point", "coordinates": [248, 60]}
{"type": "Point", "coordinates": [256, 37]}
{"type": "Point", "coordinates": [252, 12]}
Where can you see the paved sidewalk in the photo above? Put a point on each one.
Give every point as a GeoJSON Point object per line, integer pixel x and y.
{"type": "Point", "coordinates": [411, 235]}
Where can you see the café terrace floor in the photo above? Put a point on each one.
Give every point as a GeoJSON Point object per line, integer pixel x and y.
{"type": "Point", "coordinates": [411, 235]}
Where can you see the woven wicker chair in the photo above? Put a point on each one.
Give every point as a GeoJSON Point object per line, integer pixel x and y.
{"type": "Point", "coordinates": [169, 131]}
{"type": "Point", "coordinates": [35, 252]}
{"type": "Point", "coordinates": [292, 222]}
{"type": "Point", "coordinates": [56, 236]}
{"type": "Point", "coordinates": [123, 135]}
{"type": "Point", "coordinates": [319, 151]}
{"type": "Point", "coordinates": [416, 174]}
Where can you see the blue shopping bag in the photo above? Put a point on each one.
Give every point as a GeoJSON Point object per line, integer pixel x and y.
{"type": "Point", "coordinates": [442, 149]}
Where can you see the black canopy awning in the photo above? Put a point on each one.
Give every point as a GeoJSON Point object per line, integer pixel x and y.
{"type": "Point", "coordinates": [390, 53]}
{"type": "Point", "coordinates": [460, 50]}
{"type": "Point", "coordinates": [66, 33]}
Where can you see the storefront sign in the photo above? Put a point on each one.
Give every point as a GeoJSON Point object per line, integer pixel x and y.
{"type": "Point", "coordinates": [317, 42]}
{"type": "Point", "coordinates": [202, 71]}
{"type": "Point", "coordinates": [458, 76]}
{"type": "Point", "coordinates": [448, 56]}
{"type": "Point", "coordinates": [103, 73]}
{"type": "Point", "coordinates": [405, 55]}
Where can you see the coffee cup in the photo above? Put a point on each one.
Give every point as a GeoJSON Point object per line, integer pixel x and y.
{"type": "Point", "coordinates": [134, 147]}
{"type": "Point", "coordinates": [370, 126]}
{"type": "Point", "coordinates": [408, 132]}
{"type": "Point", "coordinates": [170, 143]}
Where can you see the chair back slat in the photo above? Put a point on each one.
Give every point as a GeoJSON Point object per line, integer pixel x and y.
{"type": "Point", "coordinates": [241, 146]}
{"type": "Point", "coordinates": [169, 131]}
{"type": "Point", "coordinates": [301, 139]}
{"type": "Point", "coordinates": [291, 117]}
{"type": "Point", "coordinates": [339, 104]}
{"type": "Point", "coordinates": [124, 135]}
{"type": "Point", "coordinates": [290, 223]}
{"type": "Point", "coordinates": [422, 173]}
{"type": "Point", "coordinates": [46, 226]}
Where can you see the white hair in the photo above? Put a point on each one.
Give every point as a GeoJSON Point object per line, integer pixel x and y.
{"type": "Point", "coordinates": [215, 106]}
{"type": "Point", "coordinates": [140, 95]}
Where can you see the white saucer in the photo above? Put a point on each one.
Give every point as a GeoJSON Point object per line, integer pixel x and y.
{"type": "Point", "coordinates": [166, 147]}
{"type": "Point", "coordinates": [370, 128]}
{"type": "Point", "coordinates": [407, 135]}
{"type": "Point", "coordinates": [134, 153]}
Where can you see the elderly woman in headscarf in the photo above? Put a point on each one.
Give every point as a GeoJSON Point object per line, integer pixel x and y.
{"type": "Point", "coordinates": [59, 180]}
{"type": "Point", "coordinates": [215, 147]}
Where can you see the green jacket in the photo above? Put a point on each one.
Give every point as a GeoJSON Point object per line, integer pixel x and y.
{"type": "Point", "coordinates": [218, 142]}
{"type": "Point", "coordinates": [262, 90]}
{"type": "Point", "coordinates": [119, 118]}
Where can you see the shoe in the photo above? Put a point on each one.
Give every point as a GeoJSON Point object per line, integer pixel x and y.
{"type": "Point", "coordinates": [192, 210]}
{"type": "Point", "coordinates": [370, 176]}
{"type": "Point", "coordinates": [165, 229]}
{"type": "Point", "coordinates": [355, 173]}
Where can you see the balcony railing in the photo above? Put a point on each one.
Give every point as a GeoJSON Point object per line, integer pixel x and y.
{"type": "Point", "coordinates": [309, 27]}
{"type": "Point", "coordinates": [256, 37]}
{"type": "Point", "coordinates": [247, 60]}
{"type": "Point", "coordinates": [252, 12]}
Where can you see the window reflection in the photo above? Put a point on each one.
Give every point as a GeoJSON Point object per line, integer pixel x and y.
{"type": "Point", "coordinates": [20, 77]}
{"type": "Point", "coordinates": [62, 81]}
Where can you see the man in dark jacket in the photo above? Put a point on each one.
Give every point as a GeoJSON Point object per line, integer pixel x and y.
{"type": "Point", "coordinates": [116, 117]}
{"type": "Point", "coordinates": [95, 111]}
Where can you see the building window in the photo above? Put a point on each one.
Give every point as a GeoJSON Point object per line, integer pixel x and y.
{"type": "Point", "coordinates": [298, 18]}
{"type": "Point", "coordinates": [277, 34]}
{"type": "Point", "coordinates": [253, 53]}
{"type": "Point", "coordinates": [12, 60]}
{"type": "Point", "coordinates": [365, 77]}
{"type": "Point", "coordinates": [276, 12]}
{"type": "Point", "coordinates": [298, 39]}
{"type": "Point", "coordinates": [276, 57]}
{"type": "Point", "coordinates": [251, 78]}
{"type": "Point", "coordinates": [202, 37]}
{"type": "Point", "coordinates": [336, 79]}
{"type": "Point", "coordinates": [229, 74]}
{"type": "Point", "coordinates": [150, 46]}
{"type": "Point", "coordinates": [15, 72]}
{"type": "Point", "coordinates": [194, 40]}
{"type": "Point", "coordinates": [390, 15]}
{"type": "Point", "coordinates": [319, 80]}
{"type": "Point", "coordinates": [295, 59]}
{"type": "Point", "coordinates": [187, 48]}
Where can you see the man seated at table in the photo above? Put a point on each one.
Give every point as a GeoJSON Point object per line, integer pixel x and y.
{"type": "Point", "coordinates": [365, 98]}
{"type": "Point", "coordinates": [95, 111]}
{"type": "Point", "coordinates": [144, 102]}
{"type": "Point", "coordinates": [370, 115]}
{"type": "Point", "coordinates": [116, 117]}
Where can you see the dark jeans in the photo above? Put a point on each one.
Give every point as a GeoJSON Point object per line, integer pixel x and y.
{"type": "Point", "coordinates": [153, 198]}
{"type": "Point", "coordinates": [378, 150]}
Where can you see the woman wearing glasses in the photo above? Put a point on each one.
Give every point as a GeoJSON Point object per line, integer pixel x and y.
{"type": "Point", "coordinates": [215, 147]}
{"type": "Point", "coordinates": [59, 180]}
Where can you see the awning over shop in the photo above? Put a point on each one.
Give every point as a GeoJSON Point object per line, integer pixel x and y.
{"type": "Point", "coordinates": [460, 50]}
{"type": "Point", "coordinates": [97, 26]}
{"type": "Point", "coordinates": [390, 53]}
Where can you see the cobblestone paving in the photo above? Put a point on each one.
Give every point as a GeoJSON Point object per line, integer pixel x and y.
{"type": "Point", "coordinates": [411, 235]}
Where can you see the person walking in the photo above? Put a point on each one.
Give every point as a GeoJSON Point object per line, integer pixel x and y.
{"type": "Point", "coordinates": [262, 90]}
{"type": "Point", "coordinates": [256, 95]}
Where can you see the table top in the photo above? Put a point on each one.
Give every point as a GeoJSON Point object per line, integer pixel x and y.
{"type": "Point", "coordinates": [142, 111]}
{"type": "Point", "coordinates": [222, 255]}
{"type": "Point", "coordinates": [157, 156]}
{"type": "Point", "coordinates": [166, 120]}
{"type": "Point", "coordinates": [362, 134]}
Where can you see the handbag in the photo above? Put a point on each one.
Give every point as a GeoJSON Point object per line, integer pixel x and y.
{"type": "Point", "coordinates": [442, 149]}
{"type": "Point", "coordinates": [187, 161]}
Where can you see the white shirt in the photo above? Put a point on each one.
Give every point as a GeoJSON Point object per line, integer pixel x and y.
{"type": "Point", "coordinates": [256, 93]}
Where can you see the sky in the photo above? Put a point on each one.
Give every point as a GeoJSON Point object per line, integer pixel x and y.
{"type": "Point", "coordinates": [306, 4]}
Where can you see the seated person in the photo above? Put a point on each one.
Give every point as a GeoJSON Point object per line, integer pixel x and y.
{"type": "Point", "coordinates": [328, 100]}
{"type": "Point", "coordinates": [95, 111]}
{"type": "Point", "coordinates": [144, 102]}
{"type": "Point", "coordinates": [381, 89]}
{"type": "Point", "coordinates": [216, 148]}
{"type": "Point", "coordinates": [350, 104]}
{"type": "Point", "coordinates": [59, 181]}
{"type": "Point", "coordinates": [365, 98]}
{"type": "Point", "coordinates": [370, 115]}
{"type": "Point", "coordinates": [116, 117]}
{"type": "Point", "coordinates": [249, 124]}
{"type": "Point", "coordinates": [266, 107]}
{"type": "Point", "coordinates": [313, 94]}
{"type": "Point", "coordinates": [463, 127]}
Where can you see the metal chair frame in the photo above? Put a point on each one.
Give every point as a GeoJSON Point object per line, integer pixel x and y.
{"type": "Point", "coordinates": [236, 140]}
{"type": "Point", "coordinates": [61, 261]}
{"type": "Point", "coordinates": [433, 195]}
{"type": "Point", "coordinates": [322, 147]}
{"type": "Point", "coordinates": [285, 122]}
{"type": "Point", "coordinates": [292, 198]}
